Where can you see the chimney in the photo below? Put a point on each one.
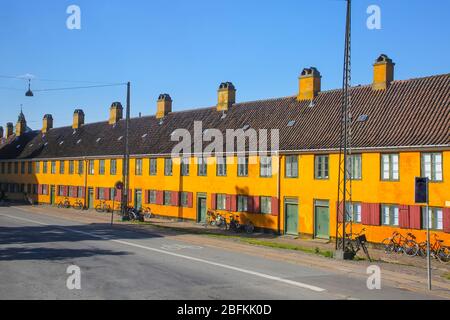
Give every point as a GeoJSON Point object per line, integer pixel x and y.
{"type": "Point", "coordinates": [226, 96]}
{"type": "Point", "coordinates": [9, 129]}
{"type": "Point", "coordinates": [78, 118]}
{"type": "Point", "coordinates": [115, 112]}
{"type": "Point", "coordinates": [383, 72]}
{"type": "Point", "coordinates": [21, 125]}
{"type": "Point", "coordinates": [163, 106]}
{"type": "Point", "coordinates": [309, 84]}
{"type": "Point", "coordinates": [47, 123]}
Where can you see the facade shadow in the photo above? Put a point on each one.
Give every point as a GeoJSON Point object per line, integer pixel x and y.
{"type": "Point", "coordinates": [52, 254]}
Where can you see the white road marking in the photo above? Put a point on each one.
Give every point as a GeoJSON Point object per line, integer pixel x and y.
{"type": "Point", "coordinates": [212, 263]}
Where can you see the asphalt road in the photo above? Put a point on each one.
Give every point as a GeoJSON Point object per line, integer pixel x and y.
{"type": "Point", "coordinates": [119, 263]}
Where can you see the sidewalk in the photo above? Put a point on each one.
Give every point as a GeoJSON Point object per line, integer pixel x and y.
{"type": "Point", "coordinates": [404, 272]}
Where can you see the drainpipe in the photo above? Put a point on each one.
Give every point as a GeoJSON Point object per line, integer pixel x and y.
{"type": "Point", "coordinates": [278, 192]}
{"type": "Point", "coordinates": [85, 182]}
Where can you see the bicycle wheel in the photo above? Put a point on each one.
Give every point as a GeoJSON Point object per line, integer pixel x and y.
{"type": "Point", "coordinates": [443, 255]}
{"type": "Point", "coordinates": [249, 228]}
{"type": "Point", "coordinates": [410, 248]}
{"type": "Point", "coordinates": [389, 246]}
{"type": "Point", "coordinates": [99, 208]}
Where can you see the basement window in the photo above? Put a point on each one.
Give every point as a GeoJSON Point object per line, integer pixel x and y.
{"type": "Point", "coordinates": [291, 123]}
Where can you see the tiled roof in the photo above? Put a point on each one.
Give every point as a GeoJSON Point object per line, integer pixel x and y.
{"type": "Point", "coordinates": [409, 113]}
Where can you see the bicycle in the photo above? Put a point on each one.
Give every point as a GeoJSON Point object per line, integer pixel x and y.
{"type": "Point", "coordinates": [398, 243]}
{"type": "Point", "coordinates": [236, 226]}
{"type": "Point", "coordinates": [356, 242]}
{"type": "Point", "coordinates": [102, 207]}
{"type": "Point", "coordinates": [216, 219]}
{"type": "Point", "coordinates": [437, 250]}
{"type": "Point", "coordinates": [147, 211]}
{"type": "Point", "coordinates": [64, 204]}
{"type": "Point", "coordinates": [78, 205]}
{"type": "Point", "coordinates": [132, 214]}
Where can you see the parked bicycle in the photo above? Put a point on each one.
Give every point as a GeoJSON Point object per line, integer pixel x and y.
{"type": "Point", "coordinates": [64, 203]}
{"type": "Point", "coordinates": [398, 243]}
{"type": "Point", "coordinates": [236, 226]}
{"type": "Point", "coordinates": [355, 242]}
{"type": "Point", "coordinates": [147, 212]}
{"type": "Point", "coordinates": [103, 207]}
{"type": "Point", "coordinates": [132, 214]}
{"type": "Point", "coordinates": [437, 250]}
{"type": "Point", "coordinates": [78, 205]}
{"type": "Point", "coordinates": [216, 219]}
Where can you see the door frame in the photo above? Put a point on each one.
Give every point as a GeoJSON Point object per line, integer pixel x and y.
{"type": "Point", "coordinates": [52, 195]}
{"type": "Point", "coordinates": [315, 205]}
{"type": "Point", "coordinates": [201, 195]}
{"type": "Point", "coordinates": [291, 201]}
{"type": "Point", "coordinates": [89, 189]}
{"type": "Point", "coordinates": [135, 198]}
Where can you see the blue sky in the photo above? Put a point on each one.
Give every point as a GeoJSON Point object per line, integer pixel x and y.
{"type": "Point", "coordinates": [186, 48]}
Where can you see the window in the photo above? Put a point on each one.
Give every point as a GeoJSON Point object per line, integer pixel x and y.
{"type": "Point", "coordinates": [80, 167]}
{"type": "Point", "coordinates": [138, 167]}
{"type": "Point", "coordinates": [389, 167]}
{"type": "Point", "coordinates": [202, 167]}
{"type": "Point", "coordinates": [53, 167]}
{"type": "Point", "coordinates": [152, 196]}
{"type": "Point", "coordinates": [61, 190]}
{"type": "Point", "coordinates": [265, 169]}
{"type": "Point", "coordinates": [22, 167]}
{"type": "Point", "coordinates": [153, 167]}
{"type": "Point", "coordinates": [221, 169]}
{"type": "Point", "coordinates": [354, 212]}
{"type": "Point", "coordinates": [321, 167]}
{"type": "Point", "coordinates": [80, 192]}
{"type": "Point", "coordinates": [167, 198]}
{"type": "Point", "coordinates": [291, 167]}
{"type": "Point", "coordinates": [389, 215]}
{"type": "Point", "coordinates": [61, 167]}
{"type": "Point", "coordinates": [242, 166]}
{"type": "Point", "coordinates": [354, 167]}
{"type": "Point", "coordinates": [44, 167]}
{"type": "Point", "coordinates": [113, 167]}
{"type": "Point", "coordinates": [45, 189]}
{"type": "Point", "coordinates": [101, 167]}
{"type": "Point", "coordinates": [266, 205]}
{"type": "Point", "coordinates": [16, 167]}
{"type": "Point", "coordinates": [221, 201]}
{"type": "Point", "coordinates": [436, 218]}
{"type": "Point", "coordinates": [184, 199]}
{"type": "Point", "coordinates": [167, 167]}
{"type": "Point", "coordinates": [73, 192]}
{"type": "Point", "coordinates": [185, 166]}
{"type": "Point", "coordinates": [71, 167]}
{"type": "Point", "coordinates": [242, 203]}
{"type": "Point", "coordinates": [30, 167]}
{"type": "Point", "coordinates": [37, 167]}
{"type": "Point", "coordinates": [91, 170]}
{"type": "Point", "coordinates": [432, 166]}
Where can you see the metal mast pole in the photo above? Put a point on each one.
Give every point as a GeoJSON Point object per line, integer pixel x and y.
{"type": "Point", "coordinates": [344, 177]}
{"type": "Point", "coordinates": [126, 156]}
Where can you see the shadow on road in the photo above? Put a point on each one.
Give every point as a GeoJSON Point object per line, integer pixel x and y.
{"type": "Point", "coordinates": [51, 254]}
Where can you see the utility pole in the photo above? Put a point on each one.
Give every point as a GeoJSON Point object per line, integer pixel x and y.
{"type": "Point", "coordinates": [126, 156]}
{"type": "Point", "coordinates": [344, 177]}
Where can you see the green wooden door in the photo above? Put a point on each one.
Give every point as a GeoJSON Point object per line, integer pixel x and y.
{"type": "Point", "coordinates": [201, 209]}
{"type": "Point", "coordinates": [322, 220]}
{"type": "Point", "coordinates": [138, 199]}
{"type": "Point", "coordinates": [90, 198]}
{"type": "Point", "coordinates": [52, 195]}
{"type": "Point", "coordinates": [292, 218]}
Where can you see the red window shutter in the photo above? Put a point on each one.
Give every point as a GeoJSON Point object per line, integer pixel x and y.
{"type": "Point", "coordinates": [189, 199]}
{"type": "Point", "coordinates": [159, 197]}
{"type": "Point", "coordinates": [228, 202]}
{"type": "Point", "coordinates": [275, 206]}
{"type": "Point", "coordinates": [40, 189]}
{"type": "Point", "coordinates": [233, 206]}
{"type": "Point", "coordinates": [66, 191]}
{"type": "Point", "coordinates": [213, 201]}
{"type": "Point", "coordinates": [118, 195]}
{"type": "Point", "coordinates": [340, 206]}
{"type": "Point", "coordinates": [446, 218]}
{"type": "Point", "coordinates": [415, 215]}
{"type": "Point", "coordinates": [249, 204]}
{"type": "Point", "coordinates": [130, 195]}
{"type": "Point", "coordinates": [256, 208]}
{"type": "Point", "coordinates": [375, 214]}
{"type": "Point", "coordinates": [365, 213]}
{"type": "Point", "coordinates": [175, 198]}
{"type": "Point", "coordinates": [403, 218]}
{"type": "Point", "coordinates": [106, 193]}
{"type": "Point", "coordinates": [147, 196]}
